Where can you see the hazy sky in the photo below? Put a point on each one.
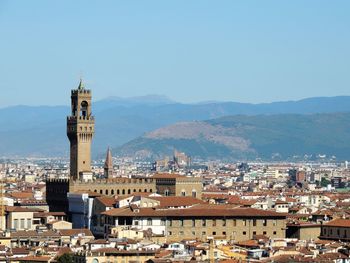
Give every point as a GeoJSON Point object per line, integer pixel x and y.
{"type": "Point", "coordinates": [247, 51]}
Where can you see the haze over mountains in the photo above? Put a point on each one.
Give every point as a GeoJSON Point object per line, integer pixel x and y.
{"type": "Point", "coordinates": [41, 130]}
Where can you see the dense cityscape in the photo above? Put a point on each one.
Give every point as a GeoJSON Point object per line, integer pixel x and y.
{"type": "Point", "coordinates": [176, 209]}
{"type": "Point", "coordinates": [175, 131]}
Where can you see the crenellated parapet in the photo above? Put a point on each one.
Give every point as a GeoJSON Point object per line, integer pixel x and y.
{"type": "Point", "coordinates": [57, 181]}
{"type": "Point", "coordinates": [81, 92]}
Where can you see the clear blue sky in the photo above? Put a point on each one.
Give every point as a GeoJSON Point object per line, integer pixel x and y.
{"type": "Point", "coordinates": [247, 51]}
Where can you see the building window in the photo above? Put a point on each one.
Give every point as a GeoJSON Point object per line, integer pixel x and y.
{"type": "Point", "coordinates": [169, 233]}
{"type": "Point", "coordinates": [194, 193]}
{"type": "Point", "coordinates": [162, 222]}
{"type": "Point", "coordinates": [234, 222]}
{"type": "Point", "coordinates": [204, 233]}
{"type": "Point", "coordinates": [106, 192]}
{"type": "Point", "coordinates": [29, 223]}
{"type": "Point", "coordinates": [149, 221]}
{"type": "Point", "coordinates": [15, 223]}
{"type": "Point", "coordinates": [166, 192]}
{"type": "Point", "coordinates": [214, 233]}
{"type": "Point", "coordinates": [224, 233]}
{"type": "Point", "coordinates": [181, 233]}
{"type": "Point", "coordinates": [101, 191]}
{"type": "Point", "coordinates": [181, 222]}
{"type": "Point", "coordinates": [183, 193]}
{"type": "Point", "coordinates": [264, 222]}
{"type": "Point", "coordinates": [204, 222]}
{"type": "Point", "coordinates": [118, 191]}
{"type": "Point", "coordinates": [274, 222]}
{"type": "Point", "coordinates": [123, 192]}
{"type": "Point", "coordinates": [254, 233]}
{"type": "Point", "coordinates": [136, 223]}
{"type": "Point", "coordinates": [22, 223]}
{"type": "Point", "coordinates": [264, 233]}
{"type": "Point", "coordinates": [223, 222]}
{"type": "Point", "coordinates": [193, 222]}
{"type": "Point", "coordinates": [244, 233]}
{"type": "Point", "coordinates": [254, 222]}
{"type": "Point", "coordinates": [244, 222]}
{"type": "Point", "coordinates": [214, 222]}
{"type": "Point", "coordinates": [170, 222]}
{"type": "Point", "coordinates": [112, 192]}
{"type": "Point", "coordinates": [129, 192]}
{"type": "Point", "coordinates": [274, 232]}
{"type": "Point", "coordinates": [193, 233]}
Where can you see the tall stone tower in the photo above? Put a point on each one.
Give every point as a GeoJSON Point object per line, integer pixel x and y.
{"type": "Point", "coordinates": [80, 130]}
{"type": "Point", "coordinates": [108, 166]}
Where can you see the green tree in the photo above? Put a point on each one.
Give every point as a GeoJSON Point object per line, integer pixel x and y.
{"type": "Point", "coordinates": [66, 258]}
{"type": "Point", "coordinates": [325, 182]}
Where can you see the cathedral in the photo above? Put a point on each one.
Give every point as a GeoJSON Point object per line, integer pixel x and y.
{"type": "Point", "coordinates": [80, 132]}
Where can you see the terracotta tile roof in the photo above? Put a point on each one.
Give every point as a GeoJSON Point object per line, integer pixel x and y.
{"type": "Point", "coordinates": [196, 210]}
{"type": "Point", "coordinates": [107, 201]}
{"type": "Point", "coordinates": [248, 243]}
{"type": "Point", "coordinates": [176, 201]}
{"type": "Point", "coordinates": [20, 209]}
{"type": "Point", "coordinates": [339, 222]}
{"type": "Point", "coordinates": [99, 241]}
{"type": "Point", "coordinates": [22, 195]}
{"type": "Point", "coordinates": [35, 259]}
{"type": "Point", "coordinates": [20, 251]}
{"type": "Point", "coordinates": [32, 233]}
{"type": "Point", "coordinates": [73, 232]}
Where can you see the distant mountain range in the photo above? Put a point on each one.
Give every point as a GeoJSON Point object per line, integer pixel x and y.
{"type": "Point", "coordinates": [41, 130]}
{"type": "Point", "coordinates": [239, 137]}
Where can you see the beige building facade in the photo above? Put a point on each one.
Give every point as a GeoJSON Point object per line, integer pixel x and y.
{"type": "Point", "coordinates": [200, 222]}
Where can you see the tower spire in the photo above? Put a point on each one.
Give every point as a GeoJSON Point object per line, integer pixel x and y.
{"type": "Point", "coordinates": [81, 84]}
{"type": "Point", "coordinates": [108, 166]}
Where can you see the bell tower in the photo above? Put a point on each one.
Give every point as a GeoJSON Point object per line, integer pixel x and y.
{"type": "Point", "coordinates": [80, 130]}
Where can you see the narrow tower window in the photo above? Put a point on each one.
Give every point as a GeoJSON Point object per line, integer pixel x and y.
{"type": "Point", "coordinates": [83, 109]}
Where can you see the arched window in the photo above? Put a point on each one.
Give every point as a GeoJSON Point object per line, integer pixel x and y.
{"type": "Point", "coordinates": [112, 192]}
{"type": "Point", "coordinates": [118, 192]}
{"type": "Point", "coordinates": [166, 192]}
{"type": "Point", "coordinates": [149, 221]}
{"type": "Point", "coordinates": [134, 190]}
{"type": "Point", "coordinates": [106, 191]}
{"type": "Point", "coordinates": [84, 109]}
{"type": "Point", "coordinates": [183, 193]}
{"type": "Point", "coordinates": [150, 190]}
{"type": "Point", "coordinates": [101, 191]}
{"type": "Point", "coordinates": [129, 191]}
{"type": "Point", "coordinates": [123, 192]}
{"type": "Point", "coordinates": [145, 190]}
{"type": "Point", "coordinates": [140, 190]}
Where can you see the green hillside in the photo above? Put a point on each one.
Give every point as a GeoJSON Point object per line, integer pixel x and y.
{"type": "Point", "coordinates": [249, 137]}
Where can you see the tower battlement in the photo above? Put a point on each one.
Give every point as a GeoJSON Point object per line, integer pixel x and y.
{"type": "Point", "coordinates": [57, 181]}
{"type": "Point", "coordinates": [81, 92]}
